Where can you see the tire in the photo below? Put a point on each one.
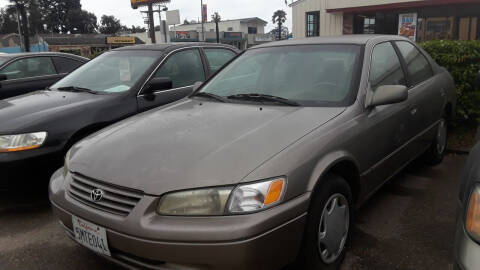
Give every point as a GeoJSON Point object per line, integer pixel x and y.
{"type": "Point", "coordinates": [333, 186]}
{"type": "Point", "coordinates": [436, 152]}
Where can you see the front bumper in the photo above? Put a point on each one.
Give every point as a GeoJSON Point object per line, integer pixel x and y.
{"type": "Point", "coordinates": [143, 239]}
{"type": "Point", "coordinates": [20, 166]}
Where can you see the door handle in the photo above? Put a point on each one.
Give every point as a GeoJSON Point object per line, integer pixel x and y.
{"type": "Point", "coordinates": [414, 111]}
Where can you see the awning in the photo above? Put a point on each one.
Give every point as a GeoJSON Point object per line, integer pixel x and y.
{"type": "Point", "coordinates": [414, 4]}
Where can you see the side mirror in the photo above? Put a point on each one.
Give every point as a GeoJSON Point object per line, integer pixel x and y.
{"type": "Point", "coordinates": [388, 94]}
{"type": "Point", "coordinates": [3, 77]}
{"type": "Point", "coordinates": [196, 86]}
{"type": "Point", "coordinates": [158, 84]}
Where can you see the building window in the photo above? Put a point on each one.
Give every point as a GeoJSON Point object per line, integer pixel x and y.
{"type": "Point", "coordinates": [230, 29]}
{"type": "Point", "coordinates": [369, 25]}
{"type": "Point", "coordinates": [313, 24]}
{"type": "Point", "coordinates": [252, 30]}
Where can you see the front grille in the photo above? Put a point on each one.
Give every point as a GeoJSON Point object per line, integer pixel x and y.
{"type": "Point", "coordinates": [116, 200]}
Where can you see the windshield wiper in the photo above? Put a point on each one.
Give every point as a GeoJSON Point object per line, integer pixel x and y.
{"type": "Point", "coordinates": [76, 89]}
{"type": "Point", "coordinates": [210, 95]}
{"type": "Point", "coordinates": [263, 97]}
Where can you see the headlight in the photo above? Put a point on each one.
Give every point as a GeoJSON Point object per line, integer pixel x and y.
{"type": "Point", "coordinates": [202, 202]}
{"type": "Point", "coordinates": [213, 201]}
{"type": "Point", "coordinates": [473, 215]}
{"type": "Point", "coordinates": [257, 196]}
{"type": "Point", "coordinates": [22, 142]}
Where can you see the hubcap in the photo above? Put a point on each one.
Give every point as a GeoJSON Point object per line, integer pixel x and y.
{"type": "Point", "coordinates": [333, 228]}
{"type": "Point", "coordinates": [442, 137]}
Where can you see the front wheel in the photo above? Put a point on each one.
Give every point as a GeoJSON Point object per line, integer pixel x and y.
{"type": "Point", "coordinates": [436, 152]}
{"type": "Point", "coordinates": [328, 225]}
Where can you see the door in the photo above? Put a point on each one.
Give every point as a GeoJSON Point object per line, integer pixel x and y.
{"type": "Point", "coordinates": [426, 94]}
{"type": "Point", "coordinates": [184, 68]}
{"type": "Point", "coordinates": [27, 75]}
{"type": "Point", "coordinates": [217, 58]}
{"type": "Point", "coordinates": [386, 126]}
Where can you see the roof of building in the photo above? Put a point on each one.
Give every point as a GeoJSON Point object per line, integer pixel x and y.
{"type": "Point", "coordinates": [344, 39]}
{"type": "Point", "coordinates": [172, 46]}
{"type": "Point", "coordinates": [244, 20]}
{"type": "Point", "coordinates": [79, 39]}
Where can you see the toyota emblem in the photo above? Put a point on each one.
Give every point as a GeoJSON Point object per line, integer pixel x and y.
{"type": "Point", "coordinates": [96, 195]}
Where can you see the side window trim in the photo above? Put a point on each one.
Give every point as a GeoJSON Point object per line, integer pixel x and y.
{"type": "Point", "coordinates": [160, 64]}
{"type": "Point", "coordinates": [402, 59]}
{"type": "Point", "coordinates": [31, 77]}
{"type": "Point", "coordinates": [398, 57]}
{"type": "Point", "coordinates": [402, 63]}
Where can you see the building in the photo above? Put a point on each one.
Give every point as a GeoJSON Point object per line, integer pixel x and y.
{"type": "Point", "coordinates": [11, 43]}
{"type": "Point", "coordinates": [421, 20]}
{"type": "Point", "coordinates": [87, 44]}
{"type": "Point", "coordinates": [241, 33]}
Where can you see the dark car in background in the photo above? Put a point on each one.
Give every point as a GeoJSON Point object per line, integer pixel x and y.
{"type": "Point", "coordinates": [467, 237]}
{"type": "Point", "coordinates": [38, 128]}
{"type": "Point", "coordinates": [23, 73]}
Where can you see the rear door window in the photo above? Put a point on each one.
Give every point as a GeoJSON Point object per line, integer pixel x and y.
{"type": "Point", "coordinates": [385, 68]}
{"type": "Point", "coordinates": [66, 65]}
{"type": "Point", "coordinates": [29, 67]}
{"type": "Point", "coordinates": [419, 68]}
{"type": "Point", "coordinates": [184, 68]}
{"type": "Point", "coordinates": [217, 58]}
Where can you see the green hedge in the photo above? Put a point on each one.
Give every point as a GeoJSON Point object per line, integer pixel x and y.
{"type": "Point", "coordinates": [462, 59]}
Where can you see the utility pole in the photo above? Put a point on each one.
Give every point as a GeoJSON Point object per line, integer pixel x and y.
{"type": "Point", "coordinates": [22, 47]}
{"type": "Point", "coordinates": [151, 23]}
{"type": "Point", "coordinates": [203, 28]}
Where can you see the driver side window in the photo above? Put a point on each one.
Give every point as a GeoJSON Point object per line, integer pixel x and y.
{"type": "Point", "coordinates": [385, 68]}
{"type": "Point", "coordinates": [184, 68]}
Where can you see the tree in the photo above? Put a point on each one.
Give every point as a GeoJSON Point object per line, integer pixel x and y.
{"type": "Point", "coordinates": [216, 19]}
{"type": "Point", "coordinates": [110, 25]}
{"type": "Point", "coordinates": [186, 21]}
{"type": "Point", "coordinates": [56, 14]}
{"type": "Point", "coordinates": [8, 21]}
{"type": "Point", "coordinates": [80, 21]}
{"type": "Point", "coordinates": [21, 9]}
{"type": "Point", "coordinates": [279, 18]}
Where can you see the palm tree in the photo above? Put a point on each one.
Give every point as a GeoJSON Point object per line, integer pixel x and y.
{"type": "Point", "coordinates": [216, 18]}
{"type": "Point", "coordinates": [279, 18]}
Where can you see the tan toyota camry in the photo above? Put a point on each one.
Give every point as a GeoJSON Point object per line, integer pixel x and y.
{"type": "Point", "coordinates": [264, 164]}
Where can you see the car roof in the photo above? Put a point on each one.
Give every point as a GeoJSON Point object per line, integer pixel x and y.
{"type": "Point", "coordinates": [173, 46]}
{"type": "Point", "coordinates": [17, 55]}
{"type": "Point", "coordinates": [344, 39]}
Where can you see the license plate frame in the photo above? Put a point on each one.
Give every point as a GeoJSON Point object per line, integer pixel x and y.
{"type": "Point", "coordinates": [91, 236]}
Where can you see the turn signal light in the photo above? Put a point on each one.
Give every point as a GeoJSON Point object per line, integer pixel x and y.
{"type": "Point", "coordinates": [274, 192]}
{"type": "Point", "coordinates": [473, 214]}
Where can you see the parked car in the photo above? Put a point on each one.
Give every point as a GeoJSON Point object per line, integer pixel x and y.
{"type": "Point", "coordinates": [265, 161]}
{"type": "Point", "coordinates": [467, 237]}
{"type": "Point", "coordinates": [37, 129]}
{"type": "Point", "coordinates": [23, 73]}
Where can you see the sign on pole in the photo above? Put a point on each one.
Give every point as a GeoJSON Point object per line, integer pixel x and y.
{"type": "Point", "coordinates": [173, 17]}
{"type": "Point", "coordinates": [407, 25]}
{"type": "Point", "coordinates": [204, 13]}
{"type": "Point", "coordinates": [139, 3]}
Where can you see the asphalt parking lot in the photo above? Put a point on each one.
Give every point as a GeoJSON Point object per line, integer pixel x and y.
{"type": "Point", "coordinates": [408, 225]}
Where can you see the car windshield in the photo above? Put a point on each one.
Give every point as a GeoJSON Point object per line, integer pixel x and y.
{"type": "Point", "coordinates": [112, 72]}
{"type": "Point", "coordinates": [309, 75]}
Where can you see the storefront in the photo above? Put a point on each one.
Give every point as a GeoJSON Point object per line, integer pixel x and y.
{"type": "Point", "coordinates": [420, 20]}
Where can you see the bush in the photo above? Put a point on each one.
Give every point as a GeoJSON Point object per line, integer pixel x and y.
{"type": "Point", "coordinates": [462, 60]}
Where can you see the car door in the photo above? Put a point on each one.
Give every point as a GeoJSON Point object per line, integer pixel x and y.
{"type": "Point", "coordinates": [217, 58]}
{"type": "Point", "coordinates": [426, 94]}
{"type": "Point", "coordinates": [184, 68]}
{"type": "Point", "coordinates": [27, 75]}
{"type": "Point", "coordinates": [385, 126]}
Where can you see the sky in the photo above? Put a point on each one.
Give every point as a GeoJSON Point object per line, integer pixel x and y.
{"type": "Point", "coordinates": [189, 9]}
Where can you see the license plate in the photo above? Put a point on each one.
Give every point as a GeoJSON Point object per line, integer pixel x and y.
{"type": "Point", "coordinates": [90, 235]}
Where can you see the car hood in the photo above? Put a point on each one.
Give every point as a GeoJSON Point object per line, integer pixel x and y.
{"type": "Point", "coordinates": [193, 144]}
{"type": "Point", "coordinates": [29, 112]}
